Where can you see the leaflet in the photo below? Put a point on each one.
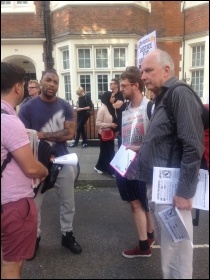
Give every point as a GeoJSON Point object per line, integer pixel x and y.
{"type": "Point", "coordinates": [165, 181]}
{"type": "Point", "coordinates": [122, 160]}
{"type": "Point", "coordinates": [174, 223]}
{"type": "Point", "coordinates": [32, 134]}
{"type": "Point", "coordinates": [69, 159]}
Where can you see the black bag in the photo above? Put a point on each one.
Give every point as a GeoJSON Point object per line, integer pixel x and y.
{"type": "Point", "coordinates": [90, 112]}
{"type": "Point", "coordinates": [167, 104]}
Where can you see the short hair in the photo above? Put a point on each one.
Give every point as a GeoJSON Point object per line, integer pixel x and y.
{"type": "Point", "coordinates": [53, 71]}
{"type": "Point", "coordinates": [79, 90]}
{"type": "Point", "coordinates": [133, 74]}
{"type": "Point", "coordinates": [165, 59]}
{"type": "Point", "coordinates": [11, 74]}
{"type": "Point", "coordinates": [34, 82]}
{"type": "Point", "coordinates": [117, 82]}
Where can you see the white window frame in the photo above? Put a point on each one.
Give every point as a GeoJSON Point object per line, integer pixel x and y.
{"type": "Point", "coordinates": [197, 71]}
{"type": "Point", "coordinates": [104, 89]}
{"type": "Point", "coordinates": [65, 60]}
{"type": "Point", "coordinates": [68, 95]}
{"type": "Point", "coordinates": [90, 58]}
{"type": "Point", "coordinates": [14, 7]}
{"type": "Point", "coordinates": [85, 87]}
{"type": "Point", "coordinates": [113, 62]}
{"type": "Point", "coordinates": [102, 59]}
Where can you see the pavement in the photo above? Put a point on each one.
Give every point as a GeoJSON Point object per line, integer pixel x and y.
{"type": "Point", "coordinates": [88, 158]}
{"type": "Point", "coordinates": [104, 227]}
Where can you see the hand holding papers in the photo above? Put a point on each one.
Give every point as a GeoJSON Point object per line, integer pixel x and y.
{"type": "Point", "coordinates": [165, 182]}
{"type": "Point", "coordinates": [122, 160]}
{"type": "Point", "coordinates": [70, 159]}
{"type": "Point", "coordinates": [174, 223]}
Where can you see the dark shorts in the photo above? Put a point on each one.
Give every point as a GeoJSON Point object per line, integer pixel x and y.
{"type": "Point", "coordinates": [18, 229]}
{"type": "Point", "coordinates": [131, 190]}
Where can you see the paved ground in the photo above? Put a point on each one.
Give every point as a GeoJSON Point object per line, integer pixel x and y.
{"type": "Point", "coordinates": [104, 227]}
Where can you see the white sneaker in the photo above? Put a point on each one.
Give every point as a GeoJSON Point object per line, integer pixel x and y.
{"type": "Point", "coordinates": [98, 171]}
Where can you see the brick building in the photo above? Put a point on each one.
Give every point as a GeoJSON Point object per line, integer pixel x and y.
{"type": "Point", "coordinates": [90, 42]}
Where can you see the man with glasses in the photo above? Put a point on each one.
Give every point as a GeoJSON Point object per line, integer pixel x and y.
{"type": "Point", "coordinates": [33, 90]}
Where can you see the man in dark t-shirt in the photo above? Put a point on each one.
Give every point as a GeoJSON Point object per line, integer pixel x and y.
{"type": "Point", "coordinates": [53, 119]}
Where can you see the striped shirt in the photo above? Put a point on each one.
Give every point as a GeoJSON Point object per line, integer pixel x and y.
{"type": "Point", "coordinates": [184, 145]}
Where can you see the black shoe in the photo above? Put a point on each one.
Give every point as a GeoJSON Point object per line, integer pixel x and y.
{"type": "Point", "coordinates": [36, 248]}
{"type": "Point", "coordinates": [70, 242]}
{"type": "Point", "coordinates": [72, 145]}
{"type": "Point", "coordinates": [84, 145]}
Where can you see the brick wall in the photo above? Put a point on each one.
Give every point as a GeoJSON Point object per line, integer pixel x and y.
{"type": "Point", "coordinates": [93, 20]}
{"type": "Point", "coordinates": [166, 18]}
{"type": "Point", "coordinates": [23, 25]}
{"type": "Point", "coordinates": [197, 19]}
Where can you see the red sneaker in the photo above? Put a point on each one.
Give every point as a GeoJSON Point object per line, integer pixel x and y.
{"type": "Point", "coordinates": [136, 253]}
{"type": "Point", "coordinates": [151, 241]}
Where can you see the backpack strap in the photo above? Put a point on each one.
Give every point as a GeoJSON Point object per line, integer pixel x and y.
{"type": "Point", "coordinates": [5, 162]}
{"type": "Point", "coordinates": [168, 100]}
{"type": "Point", "coordinates": [9, 155]}
{"type": "Point", "coordinates": [149, 108]}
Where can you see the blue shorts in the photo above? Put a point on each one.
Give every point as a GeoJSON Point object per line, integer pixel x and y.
{"type": "Point", "coordinates": [131, 190]}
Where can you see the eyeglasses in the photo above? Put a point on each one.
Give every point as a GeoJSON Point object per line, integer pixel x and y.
{"type": "Point", "coordinates": [31, 87]}
{"type": "Point", "coordinates": [126, 85]}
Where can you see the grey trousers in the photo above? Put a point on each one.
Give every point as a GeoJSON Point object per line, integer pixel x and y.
{"type": "Point", "coordinates": [176, 258]}
{"type": "Point", "coordinates": [64, 188]}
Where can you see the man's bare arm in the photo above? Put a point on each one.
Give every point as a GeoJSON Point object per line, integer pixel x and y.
{"type": "Point", "coordinates": [61, 135]}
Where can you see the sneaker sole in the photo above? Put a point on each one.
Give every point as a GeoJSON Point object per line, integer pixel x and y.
{"type": "Point", "coordinates": [152, 243]}
{"type": "Point", "coordinates": [98, 171]}
{"type": "Point", "coordinates": [138, 256]}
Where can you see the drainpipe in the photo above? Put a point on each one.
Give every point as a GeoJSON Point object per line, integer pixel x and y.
{"type": "Point", "coordinates": [49, 63]}
{"type": "Point", "coordinates": [183, 42]}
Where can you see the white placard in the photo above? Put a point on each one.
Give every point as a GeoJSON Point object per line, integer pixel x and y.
{"type": "Point", "coordinates": [144, 46]}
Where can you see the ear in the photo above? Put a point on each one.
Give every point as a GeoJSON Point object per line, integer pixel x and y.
{"type": "Point", "coordinates": [17, 88]}
{"type": "Point", "coordinates": [167, 70]}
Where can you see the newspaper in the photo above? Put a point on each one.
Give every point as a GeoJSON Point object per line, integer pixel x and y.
{"type": "Point", "coordinates": [32, 134]}
{"type": "Point", "coordinates": [165, 181]}
{"type": "Point", "coordinates": [174, 223]}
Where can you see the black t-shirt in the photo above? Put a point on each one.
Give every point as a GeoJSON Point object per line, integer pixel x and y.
{"type": "Point", "coordinates": [84, 101]}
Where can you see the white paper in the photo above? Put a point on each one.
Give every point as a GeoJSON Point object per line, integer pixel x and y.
{"type": "Point", "coordinates": [69, 159]}
{"type": "Point", "coordinates": [174, 223]}
{"type": "Point", "coordinates": [32, 134]}
{"type": "Point", "coordinates": [165, 181]}
{"type": "Point", "coordinates": [122, 160]}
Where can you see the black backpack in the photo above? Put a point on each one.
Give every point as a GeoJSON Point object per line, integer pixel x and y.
{"type": "Point", "coordinates": [167, 103]}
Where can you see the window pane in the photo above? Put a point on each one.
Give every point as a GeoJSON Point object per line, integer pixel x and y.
{"type": "Point", "coordinates": [66, 63]}
{"type": "Point", "coordinates": [198, 54]}
{"type": "Point", "coordinates": [5, 2]}
{"type": "Point", "coordinates": [197, 81]}
{"type": "Point", "coordinates": [67, 87]}
{"type": "Point", "coordinates": [101, 58]}
{"type": "Point", "coordinates": [22, 2]}
{"type": "Point", "coordinates": [84, 58]}
{"type": "Point", "coordinates": [119, 57]}
{"type": "Point", "coordinates": [85, 83]}
{"type": "Point", "coordinates": [102, 84]}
